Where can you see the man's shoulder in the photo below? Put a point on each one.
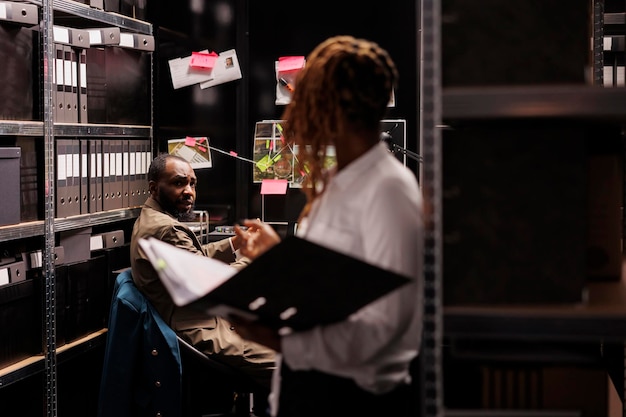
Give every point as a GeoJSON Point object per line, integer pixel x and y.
{"type": "Point", "coordinates": [154, 215]}
{"type": "Point", "coordinates": [155, 223]}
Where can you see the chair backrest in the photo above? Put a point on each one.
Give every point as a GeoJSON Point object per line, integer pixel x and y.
{"type": "Point", "coordinates": [144, 361]}
{"type": "Point", "coordinates": [142, 372]}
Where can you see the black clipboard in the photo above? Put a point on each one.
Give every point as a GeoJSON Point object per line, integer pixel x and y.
{"type": "Point", "coordinates": [298, 284]}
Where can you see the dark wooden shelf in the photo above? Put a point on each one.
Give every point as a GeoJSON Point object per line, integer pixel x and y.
{"type": "Point", "coordinates": [566, 101]}
{"type": "Point", "coordinates": [35, 364]}
{"type": "Point", "coordinates": [601, 318]}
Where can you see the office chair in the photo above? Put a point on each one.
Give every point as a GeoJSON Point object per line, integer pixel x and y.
{"type": "Point", "coordinates": [248, 397]}
{"type": "Point", "coordinates": [148, 370]}
{"type": "Point", "coordinates": [142, 370]}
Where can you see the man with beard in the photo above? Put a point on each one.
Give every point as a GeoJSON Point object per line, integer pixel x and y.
{"type": "Point", "coordinates": [172, 184]}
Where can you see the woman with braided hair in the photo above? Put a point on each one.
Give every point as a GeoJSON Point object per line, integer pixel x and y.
{"type": "Point", "coordinates": [368, 206]}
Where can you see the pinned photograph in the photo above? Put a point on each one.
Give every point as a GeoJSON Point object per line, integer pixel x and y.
{"type": "Point", "coordinates": [194, 150]}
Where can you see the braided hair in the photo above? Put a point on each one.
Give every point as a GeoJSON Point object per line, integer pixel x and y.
{"type": "Point", "coordinates": [344, 87]}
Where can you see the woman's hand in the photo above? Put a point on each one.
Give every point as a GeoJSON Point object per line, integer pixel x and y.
{"type": "Point", "coordinates": [255, 241]}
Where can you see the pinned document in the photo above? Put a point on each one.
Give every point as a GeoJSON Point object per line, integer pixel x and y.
{"type": "Point", "coordinates": [205, 69]}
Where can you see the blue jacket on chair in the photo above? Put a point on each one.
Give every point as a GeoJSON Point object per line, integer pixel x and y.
{"type": "Point", "coordinates": [142, 373]}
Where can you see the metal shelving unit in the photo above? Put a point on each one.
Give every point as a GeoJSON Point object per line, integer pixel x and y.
{"type": "Point", "coordinates": [599, 319]}
{"type": "Point", "coordinates": [76, 15]}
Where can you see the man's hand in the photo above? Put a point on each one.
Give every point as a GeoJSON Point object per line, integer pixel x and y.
{"type": "Point", "coordinates": [259, 238]}
{"type": "Point", "coordinates": [236, 241]}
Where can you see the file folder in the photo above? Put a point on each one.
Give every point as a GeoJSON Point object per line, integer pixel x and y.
{"type": "Point", "coordinates": [138, 41]}
{"type": "Point", "coordinates": [295, 285]}
{"type": "Point", "coordinates": [59, 93]}
{"type": "Point", "coordinates": [133, 184]}
{"type": "Point", "coordinates": [34, 259]}
{"type": "Point", "coordinates": [144, 157]}
{"type": "Point", "coordinates": [61, 192]}
{"type": "Point", "coordinates": [74, 177]}
{"type": "Point", "coordinates": [75, 243]}
{"type": "Point", "coordinates": [104, 36]}
{"type": "Point", "coordinates": [112, 5]}
{"type": "Point", "coordinates": [74, 84]}
{"type": "Point", "coordinates": [17, 271]}
{"type": "Point", "coordinates": [95, 175]}
{"type": "Point", "coordinates": [19, 13]}
{"type": "Point", "coordinates": [78, 38]}
{"type": "Point", "coordinates": [96, 242]}
{"type": "Point", "coordinates": [97, 4]}
{"type": "Point", "coordinates": [146, 166]}
{"type": "Point", "coordinates": [118, 181]}
{"type": "Point", "coordinates": [140, 169]}
{"type": "Point", "coordinates": [82, 97]}
{"type": "Point", "coordinates": [84, 176]}
{"type": "Point", "coordinates": [67, 84]}
{"type": "Point", "coordinates": [4, 275]}
{"type": "Point", "coordinates": [125, 173]}
{"type": "Point", "coordinates": [108, 174]}
{"type": "Point", "coordinates": [108, 240]}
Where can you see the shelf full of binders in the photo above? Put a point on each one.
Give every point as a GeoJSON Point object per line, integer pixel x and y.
{"type": "Point", "coordinates": [102, 76]}
{"type": "Point", "coordinates": [102, 69]}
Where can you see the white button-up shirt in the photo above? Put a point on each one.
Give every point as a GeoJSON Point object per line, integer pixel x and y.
{"type": "Point", "coordinates": [371, 210]}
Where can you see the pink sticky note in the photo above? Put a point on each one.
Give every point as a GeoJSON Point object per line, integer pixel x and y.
{"type": "Point", "coordinates": [203, 60]}
{"type": "Point", "coordinates": [274, 186]}
{"type": "Point", "coordinates": [202, 148]}
{"type": "Point", "coordinates": [190, 141]}
{"type": "Point", "coordinates": [233, 153]}
{"type": "Point", "coordinates": [290, 63]}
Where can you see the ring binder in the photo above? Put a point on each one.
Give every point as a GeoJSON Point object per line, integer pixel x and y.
{"type": "Point", "coordinates": [296, 285]}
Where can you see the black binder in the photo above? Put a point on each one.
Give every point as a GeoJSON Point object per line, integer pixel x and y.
{"type": "Point", "coordinates": [297, 284]}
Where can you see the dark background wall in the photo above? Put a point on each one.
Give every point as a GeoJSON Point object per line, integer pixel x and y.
{"type": "Point", "coordinates": [262, 31]}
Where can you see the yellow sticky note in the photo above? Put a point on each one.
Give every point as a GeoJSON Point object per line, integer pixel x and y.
{"type": "Point", "coordinates": [263, 163]}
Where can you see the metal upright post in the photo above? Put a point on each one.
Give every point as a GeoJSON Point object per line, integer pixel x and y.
{"type": "Point", "coordinates": [598, 42]}
{"type": "Point", "coordinates": [431, 181]}
{"type": "Point", "coordinates": [49, 318]}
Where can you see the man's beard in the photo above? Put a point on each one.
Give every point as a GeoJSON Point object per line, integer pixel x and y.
{"type": "Point", "coordinates": [172, 209]}
{"type": "Point", "coordinates": [189, 216]}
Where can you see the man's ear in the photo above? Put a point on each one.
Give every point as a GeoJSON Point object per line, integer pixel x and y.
{"type": "Point", "coordinates": [152, 187]}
